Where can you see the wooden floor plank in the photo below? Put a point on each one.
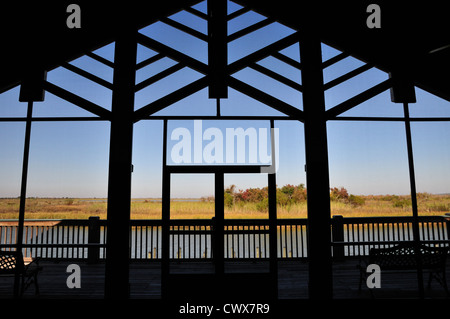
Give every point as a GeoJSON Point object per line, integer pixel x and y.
{"type": "Point", "coordinates": [145, 281]}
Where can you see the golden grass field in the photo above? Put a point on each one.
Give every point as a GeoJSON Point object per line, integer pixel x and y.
{"type": "Point", "coordinates": [79, 208]}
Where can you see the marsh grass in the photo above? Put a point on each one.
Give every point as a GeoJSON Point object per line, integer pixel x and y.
{"type": "Point", "coordinates": [83, 208]}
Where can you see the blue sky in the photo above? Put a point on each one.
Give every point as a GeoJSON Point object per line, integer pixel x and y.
{"type": "Point", "coordinates": [70, 159]}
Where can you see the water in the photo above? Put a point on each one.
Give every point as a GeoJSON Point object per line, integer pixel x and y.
{"type": "Point", "coordinates": [189, 242]}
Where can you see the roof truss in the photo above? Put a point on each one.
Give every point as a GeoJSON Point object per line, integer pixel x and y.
{"type": "Point", "coordinates": [250, 61]}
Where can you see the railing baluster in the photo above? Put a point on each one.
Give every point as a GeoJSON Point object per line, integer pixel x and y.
{"type": "Point", "coordinates": [243, 239]}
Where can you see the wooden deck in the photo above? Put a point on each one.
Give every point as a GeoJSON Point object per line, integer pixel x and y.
{"type": "Point", "coordinates": [145, 282]}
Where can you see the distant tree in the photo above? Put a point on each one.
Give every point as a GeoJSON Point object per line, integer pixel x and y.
{"type": "Point", "coordinates": [338, 194]}
{"type": "Point", "coordinates": [355, 200]}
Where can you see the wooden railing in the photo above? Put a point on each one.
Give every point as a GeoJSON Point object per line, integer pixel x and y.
{"type": "Point", "coordinates": [193, 239]}
{"type": "Point", "coordinates": [355, 236]}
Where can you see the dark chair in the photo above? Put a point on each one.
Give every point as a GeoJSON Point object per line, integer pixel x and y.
{"type": "Point", "coordinates": [12, 263]}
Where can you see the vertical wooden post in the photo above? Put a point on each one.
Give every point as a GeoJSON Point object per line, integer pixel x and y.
{"type": "Point", "coordinates": [120, 167]}
{"type": "Point", "coordinates": [447, 224]}
{"type": "Point", "coordinates": [165, 264]}
{"type": "Point", "coordinates": [272, 189]}
{"type": "Point", "coordinates": [338, 236]}
{"type": "Point", "coordinates": [23, 192]}
{"type": "Point", "coordinates": [31, 90]}
{"type": "Point", "coordinates": [412, 180]}
{"type": "Point", "coordinates": [217, 48]}
{"type": "Point", "coordinates": [317, 176]}
{"type": "Point", "coordinates": [94, 238]}
{"type": "Point", "coordinates": [402, 91]}
{"type": "Point", "coordinates": [219, 223]}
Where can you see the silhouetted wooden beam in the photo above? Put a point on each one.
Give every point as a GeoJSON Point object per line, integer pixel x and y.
{"type": "Point", "coordinates": [276, 76]}
{"type": "Point", "coordinates": [165, 219]}
{"type": "Point", "coordinates": [52, 119]}
{"type": "Point", "coordinates": [208, 169]}
{"type": "Point", "coordinates": [77, 100]}
{"type": "Point", "coordinates": [249, 29]}
{"type": "Point", "coordinates": [100, 59]}
{"type": "Point", "coordinates": [172, 53]}
{"type": "Point", "coordinates": [335, 59]}
{"type": "Point", "coordinates": [287, 60]}
{"type": "Point", "coordinates": [120, 168]}
{"type": "Point", "coordinates": [262, 53]}
{"type": "Point", "coordinates": [237, 13]}
{"type": "Point", "coordinates": [391, 119]}
{"type": "Point", "coordinates": [273, 241]}
{"type": "Point", "coordinates": [358, 99]}
{"type": "Point", "coordinates": [87, 75]}
{"type": "Point", "coordinates": [265, 98]}
{"type": "Point", "coordinates": [317, 175]}
{"type": "Point", "coordinates": [196, 13]}
{"type": "Point", "coordinates": [150, 60]}
{"type": "Point", "coordinates": [217, 49]}
{"type": "Point", "coordinates": [346, 76]}
{"type": "Point", "coordinates": [185, 29]}
{"type": "Point", "coordinates": [159, 76]}
{"type": "Point", "coordinates": [169, 99]}
{"type": "Point", "coordinates": [412, 183]}
{"type": "Point", "coordinates": [219, 216]}
{"type": "Point", "coordinates": [214, 117]}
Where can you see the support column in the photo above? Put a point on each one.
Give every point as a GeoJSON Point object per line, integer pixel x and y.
{"type": "Point", "coordinates": [165, 252]}
{"type": "Point", "coordinates": [218, 249]}
{"type": "Point", "coordinates": [120, 167]}
{"type": "Point", "coordinates": [412, 181]}
{"type": "Point", "coordinates": [217, 48]}
{"type": "Point", "coordinates": [31, 90]}
{"type": "Point", "coordinates": [402, 91]}
{"type": "Point", "coordinates": [272, 195]}
{"type": "Point", "coordinates": [317, 176]}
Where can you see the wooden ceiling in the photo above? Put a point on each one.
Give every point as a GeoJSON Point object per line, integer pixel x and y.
{"type": "Point", "coordinates": [413, 36]}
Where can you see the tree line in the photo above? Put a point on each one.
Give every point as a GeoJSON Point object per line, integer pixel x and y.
{"type": "Point", "coordinates": [286, 195]}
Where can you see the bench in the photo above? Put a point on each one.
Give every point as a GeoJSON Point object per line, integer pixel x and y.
{"type": "Point", "coordinates": [13, 262]}
{"type": "Point", "coordinates": [403, 257]}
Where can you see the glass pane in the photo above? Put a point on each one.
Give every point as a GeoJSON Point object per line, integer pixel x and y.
{"type": "Point", "coordinates": [11, 157]}
{"type": "Point", "coordinates": [429, 105]}
{"type": "Point", "coordinates": [10, 105]}
{"type": "Point", "coordinates": [431, 146]}
{"type": "Point", "coordinates": [147, 170]}
{"type": "Point", "coordinates": [192, 196]}
{"type": "Point", "coordinates": [369, 161]}
{"type": "Point", "coordinates": [67, 161]}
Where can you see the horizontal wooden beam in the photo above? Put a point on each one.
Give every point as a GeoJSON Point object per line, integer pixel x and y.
{"type": "Point", "coordinates": [391, 119]}
{"type": "Point", "coordinates": [209, 169]}
{"type": "Point", "coordinates": [220, 117]}
{"type": "Point", "coordinates": [52, 119]}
